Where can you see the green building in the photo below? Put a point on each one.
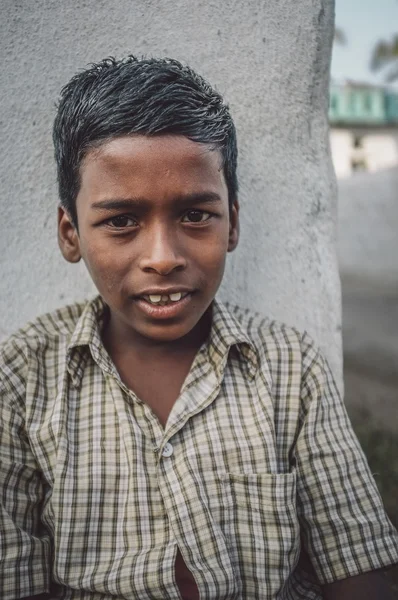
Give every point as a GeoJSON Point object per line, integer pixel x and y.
{"type": "Point", "coordinates": [362, 104]}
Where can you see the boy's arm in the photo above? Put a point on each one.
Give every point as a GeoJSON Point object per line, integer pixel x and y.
{"type": "Point", "coordinates": [369, 586]}
{"type": "Point", "coordinates": [24, 545]}
{"type": "Point", "coordinates": [345, 530]}
{"type": "Point", "coordinates": [39, 597]}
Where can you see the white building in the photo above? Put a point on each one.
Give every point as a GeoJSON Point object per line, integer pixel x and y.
{"type": "Point", "coordinates": [364, 128]}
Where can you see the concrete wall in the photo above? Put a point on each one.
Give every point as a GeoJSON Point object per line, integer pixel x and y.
{"type": "Point", "coordinates": [269, 59]}
{"type": "Point", "coordinates": [368, 226]}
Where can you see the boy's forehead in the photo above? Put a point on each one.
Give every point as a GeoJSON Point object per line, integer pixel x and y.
{"type": "Point", "coordinates": [161, 148]}
{"type": "Point", "coordinates": [152, 161]}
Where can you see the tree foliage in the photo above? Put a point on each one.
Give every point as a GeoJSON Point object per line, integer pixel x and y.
{"type": "Point", "coordinates": [385, 58]}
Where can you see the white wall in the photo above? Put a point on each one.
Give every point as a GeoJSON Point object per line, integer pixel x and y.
{"type": "Point", "coordinates": [269, 59]}
{"type": "Point", "coordinates": [379, 149]}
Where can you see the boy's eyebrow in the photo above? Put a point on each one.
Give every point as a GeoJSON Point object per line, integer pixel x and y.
{"type": "Point", "coordinates": [128, 203]}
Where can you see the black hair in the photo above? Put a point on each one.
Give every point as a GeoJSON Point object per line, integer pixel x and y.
{"type": "Point", "coordinates": [146, 96]}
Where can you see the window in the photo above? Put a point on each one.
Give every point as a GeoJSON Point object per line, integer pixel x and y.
{"type": "Point", "coordinates": [357, 143]}
{"type": "Point", "coordinates": [359, 165]}
{"type": "Point", "coordinates": [368, 102]}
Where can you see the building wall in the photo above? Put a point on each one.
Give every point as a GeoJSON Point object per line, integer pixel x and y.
{"type": "Point", "coordinates": [269, 59]}
{"type": "Point", "coordinates": [370, 149]}
{"type": "Point", "coordinates": [342, 143]}
{"type": "Point", "coordinates": [381, 150]}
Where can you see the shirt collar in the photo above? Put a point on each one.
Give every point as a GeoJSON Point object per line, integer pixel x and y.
{"type": "Point", "coordinates": [87, 334]}
{"type": "Point", "coordinates": [226, 332]}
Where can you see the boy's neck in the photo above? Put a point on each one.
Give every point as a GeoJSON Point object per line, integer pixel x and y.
{"type": "Point", "coordinates": [155, 371]}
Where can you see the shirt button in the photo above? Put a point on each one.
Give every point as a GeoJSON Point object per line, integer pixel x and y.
{"type": "Point", "coordinates": [167, 450]}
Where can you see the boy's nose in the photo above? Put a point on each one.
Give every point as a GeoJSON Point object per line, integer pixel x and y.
{"type": "Point", "coordinates": [162, 254]}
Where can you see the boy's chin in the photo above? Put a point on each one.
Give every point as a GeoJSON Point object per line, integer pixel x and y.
{"type": "Point", "coordinates": [166, 333]}
{"type": "Point", "coordinates": [190, 332]}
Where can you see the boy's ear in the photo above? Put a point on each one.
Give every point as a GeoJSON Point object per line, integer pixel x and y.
{"type": "Point", "coordinates": [68, 238]}
{"type": "Point", "coordinates": [233, 226]}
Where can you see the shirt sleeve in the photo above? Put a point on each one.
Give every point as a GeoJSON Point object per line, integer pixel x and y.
{"type": "Point", "coordinates": [344, 526]}
{"type": "Point", "coordinates": [24, 544]}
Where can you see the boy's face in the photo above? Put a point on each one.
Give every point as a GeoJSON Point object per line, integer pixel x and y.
{"type": "Point", "coordinates": [154, 223]}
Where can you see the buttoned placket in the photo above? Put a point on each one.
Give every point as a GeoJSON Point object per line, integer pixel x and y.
{"type": "Point", "coordinates": [199, 391]}
{"type": "Point", "coordinates": [174, 485]}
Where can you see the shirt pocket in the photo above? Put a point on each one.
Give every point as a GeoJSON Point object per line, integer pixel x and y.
{"type": "Point", "coordinates": [262, 529]}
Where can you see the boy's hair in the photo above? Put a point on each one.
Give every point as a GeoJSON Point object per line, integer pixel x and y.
{"type": "Point", "coordinates": [143, 96]}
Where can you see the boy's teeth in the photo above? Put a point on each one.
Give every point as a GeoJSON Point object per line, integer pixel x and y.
{"type": "Point", "coordinates": [164, 299]}
{"type": "Point", "coordinates": [175, 297]}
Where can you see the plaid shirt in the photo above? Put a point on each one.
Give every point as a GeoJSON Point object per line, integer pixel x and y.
{"type": "Point", "coordinates": [256, 467]}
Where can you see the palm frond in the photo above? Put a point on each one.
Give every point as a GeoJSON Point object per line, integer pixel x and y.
{"type": "Point", "coordinates": [392, 74]}
{"type": "Point", "coordinates": [384, 54]}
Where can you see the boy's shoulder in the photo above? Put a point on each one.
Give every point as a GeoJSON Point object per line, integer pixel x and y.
{"type": "Point", "coordinates": [269, 335]}
{"type": "Point", "coordinates": [290, 361]}
{"type": "Point", "coordinates": [283, 353]}
{"type": "Point", "coordinates": [48, 331]}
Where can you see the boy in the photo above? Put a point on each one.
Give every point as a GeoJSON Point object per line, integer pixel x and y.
{"type": "Point", "coordinates": [154, 443]}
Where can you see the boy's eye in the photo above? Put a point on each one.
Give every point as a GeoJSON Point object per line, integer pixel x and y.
{"type": "Point", "coordinates": [122, 221]}
{"type": "Point", "coordinates": [196, 216]}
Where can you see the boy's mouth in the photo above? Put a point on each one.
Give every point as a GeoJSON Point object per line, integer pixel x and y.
{"type": "Point", "coordinates": [164, 299]}
{"type": "Point", "coordinates": [163, 305]}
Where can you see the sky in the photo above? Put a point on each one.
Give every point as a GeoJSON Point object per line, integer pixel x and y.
{"type": "Point", "coordinates": [364, 22]}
